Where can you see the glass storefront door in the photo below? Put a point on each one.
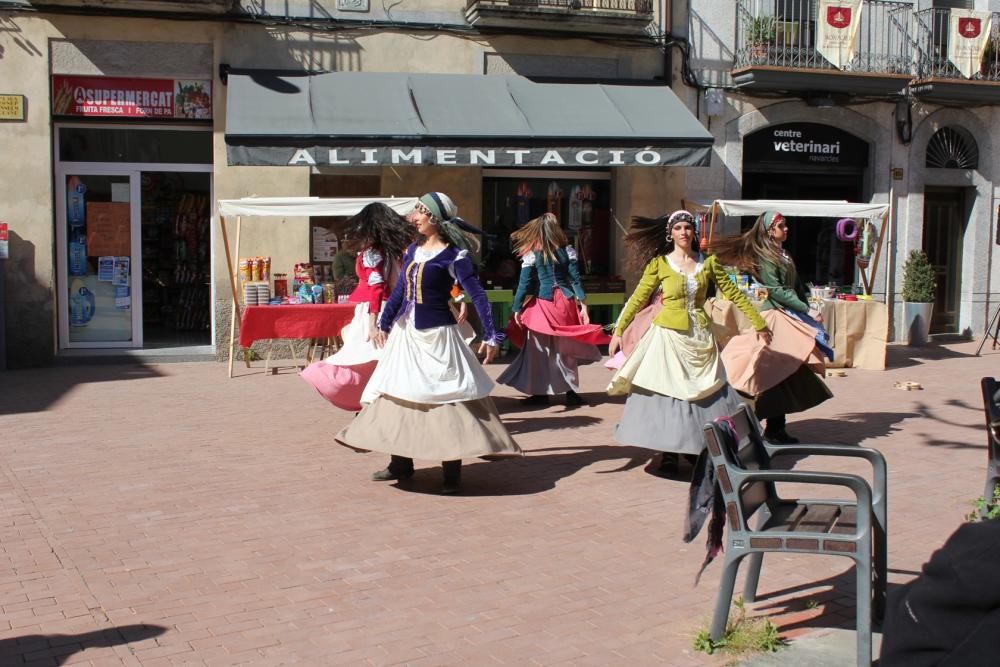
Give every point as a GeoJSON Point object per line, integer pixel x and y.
{"type": "Point", "coordinates": [98, 250]}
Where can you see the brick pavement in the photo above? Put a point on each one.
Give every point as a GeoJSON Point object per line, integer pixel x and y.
{"type": "Point", "coordinates": [164, 515]}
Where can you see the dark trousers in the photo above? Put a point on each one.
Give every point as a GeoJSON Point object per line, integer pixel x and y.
{"type": "Point", "coordinates": [402, 465]}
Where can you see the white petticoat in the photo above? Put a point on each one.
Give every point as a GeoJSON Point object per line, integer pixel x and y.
{"type": "Point", "coordinates": [357, 349]}
{"type": "Point", "coordinates": [427, 366]}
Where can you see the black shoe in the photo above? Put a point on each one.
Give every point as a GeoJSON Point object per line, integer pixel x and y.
{"type": "Point", "coordinates": [668, 464]}
{"type": "Point", "coordinates": [387, 475]}
{"type": "Point", "coordinates": [537, 399]}
{"type": "Point", "coordinates": [450, 487]}
{"type": "Point", "coordinates": [573, 398]}
{"type": "Point", "coordinates": [781, 437]}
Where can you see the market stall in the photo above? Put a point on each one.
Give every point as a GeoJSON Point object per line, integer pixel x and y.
{"type": "Point", "coordinates": [857, 324]}
{"type": "Point", "coordinates": [287, 321]}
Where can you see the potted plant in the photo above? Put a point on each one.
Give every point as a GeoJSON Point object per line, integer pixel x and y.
{"type": "Point", "coordinates": [919, 287]}
{"type": "Point", "coordinates": [759, 33]}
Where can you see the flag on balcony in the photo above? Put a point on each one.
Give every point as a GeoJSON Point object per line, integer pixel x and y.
{"type": "Point", "coordinates": [968, 32]}
{"type": "Point", "coordinates": [837, 30]}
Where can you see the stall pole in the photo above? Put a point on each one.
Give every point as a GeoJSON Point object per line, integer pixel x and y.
{"type": "Point", "coordinates": [234, 309]}
{"type": "Point", "coordinates": [711, 224]}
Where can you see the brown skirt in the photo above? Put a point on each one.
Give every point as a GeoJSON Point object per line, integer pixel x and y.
{"type": "Point", "coordinates": [431, 432]}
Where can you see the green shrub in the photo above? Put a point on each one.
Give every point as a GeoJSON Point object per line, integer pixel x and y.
{"type": "Point", "coordinates": [743, 635]}
{"type": "Point", "coordinates": [760, 29]}
{"type": "Point", "coordinates": [918, 278]}
{"type": "Point", "coordinates": [985, 511]}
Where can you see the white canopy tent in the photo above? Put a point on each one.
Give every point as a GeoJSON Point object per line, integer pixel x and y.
{"type": "Point", "coordinates": [287, 207]}
{"type": "Point", "coordinates": [876, 214]}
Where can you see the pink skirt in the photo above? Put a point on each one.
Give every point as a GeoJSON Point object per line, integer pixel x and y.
{"type": "Point", "coordinates": [342, 378]}
{"type": "Point", "coordinates": [633, 332]}
{"type": "Point", "coordinates": [558, 317]}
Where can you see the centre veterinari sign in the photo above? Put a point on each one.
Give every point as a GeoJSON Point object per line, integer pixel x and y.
{"type": "Point", "coordinates": [790, 141]}
{"type": "Point", "coordinates": [455, 156]}
{"type": "Point", "coordinates": [804, 143]}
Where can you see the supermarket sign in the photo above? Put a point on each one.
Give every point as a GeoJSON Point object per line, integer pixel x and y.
{"type": "Point", "coordinates": [106, 96]}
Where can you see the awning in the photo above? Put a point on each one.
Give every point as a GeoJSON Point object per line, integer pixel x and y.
{"type": "Point", "coordinates": [373, 118]}
{"type": "Point", "coordinates": [808, 208]}
{"type": "Point", "coordinates": [310, 206]}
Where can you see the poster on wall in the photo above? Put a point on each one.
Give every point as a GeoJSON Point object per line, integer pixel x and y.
{"type": "Point", "coordinates": [4, 243]}
{"type": "Point", "coordinates": [105, 269]}
{"type": "Point", "coordinates": [324, 244]}
{"type": "Point", "coordinates": [969, 31]}
{"type": "Point", "coordinates": [120, 275]}
{"type": "Point", "coordinates": [123, 300]}
{"type": "Point", "coordinates": [108, 228]}
{"type": "Point", "coordinates": [131, 97]}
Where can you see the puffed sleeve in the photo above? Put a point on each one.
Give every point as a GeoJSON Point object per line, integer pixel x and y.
{"type": "Point", "coordinates": [373, 260]}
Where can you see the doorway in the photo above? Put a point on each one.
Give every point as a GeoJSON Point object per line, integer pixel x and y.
{"type": "Point", "coordinates": [133, 236]}
{"type": "Point", "coordinates": [945, 220]}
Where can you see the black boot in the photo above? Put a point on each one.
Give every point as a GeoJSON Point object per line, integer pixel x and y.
{"type": "Point", "coordinates": [573, 398]}
{"type": "Point", "coordinates": [451, 483]}
{"type": "Point", "coordinates": [775, 431]}
{"type": "Point", "coordinates": [400, 467]}
{"type": "Point", "coordinates": [668, 464]}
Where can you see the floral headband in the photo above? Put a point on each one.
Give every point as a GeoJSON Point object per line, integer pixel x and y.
{"type": "Point", "coordinates": [681, 216]}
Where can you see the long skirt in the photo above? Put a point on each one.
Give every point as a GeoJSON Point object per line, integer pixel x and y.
{"type": "Point", "coordinates": [554, 343]}
{"type": "Point", "coordinates": [675, 385]}
{"type": "Point", "coordinates": [780, 378]}
{"type": "Point", "coordinates": [429, 398]}
{"type": "Point", "coordinates": [342, 377]}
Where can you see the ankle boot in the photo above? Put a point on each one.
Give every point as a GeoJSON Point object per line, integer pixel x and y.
{"type": "Point", "coordinates": [452, 477]}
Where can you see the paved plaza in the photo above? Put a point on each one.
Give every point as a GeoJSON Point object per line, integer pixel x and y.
{"type": "Point", "coordinates": [164, 514]}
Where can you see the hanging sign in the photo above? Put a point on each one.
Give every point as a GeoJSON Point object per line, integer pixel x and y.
{"type": "Point", "coordinates": [131, 98]}
{"type": "Point", "coordinates": [837, 30]}
{"type": "Point", "coordinates": [968, 32]}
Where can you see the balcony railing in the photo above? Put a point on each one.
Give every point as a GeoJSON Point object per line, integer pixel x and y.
{"type": "Point", "coordinates": [782, 33]}
{"type": "Point", "coordinates": [932, 27]}
{"type": "Point", "coordinates": [641, 7]}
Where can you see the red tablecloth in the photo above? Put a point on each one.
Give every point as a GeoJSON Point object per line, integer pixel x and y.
{"type": "Point", "coordinates": [294, 321]}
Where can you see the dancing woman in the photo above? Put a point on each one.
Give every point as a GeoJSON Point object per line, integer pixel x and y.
{"type": "Point", "coordinates": [551, 324]}
{"type": "Point", "coordinates": [798, 329]}
{"type": "Point", "coordinates": [429, 398]}
{"type": "Point", "coordinates": [383, 236]}
{"type": "Point", "coordinates": [673, 378]}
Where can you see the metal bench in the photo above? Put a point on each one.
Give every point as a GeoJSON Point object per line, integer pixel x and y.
{"type": "Point", "coordinates": [855, 529]}
{"type": "Point", "coordinates": [991, 408]}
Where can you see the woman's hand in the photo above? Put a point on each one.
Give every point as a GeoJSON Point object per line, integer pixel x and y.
{"type": "Point", "coordinates": [816, 315]}
{"type": "Point", "coordinates": [584, 315]}
{"type": "Point", "coordinates": [614, 345]}
{"type": "Point", "coordinates": [379, 339]}
{"type": "Point", "coordinates": [488, 351]}
{"type": "Point", "coordinates": [764, 335]}
{"type": "Point", "coordinates": [517, 318]}
{"type": "Point", "coordinates": [372, 326]}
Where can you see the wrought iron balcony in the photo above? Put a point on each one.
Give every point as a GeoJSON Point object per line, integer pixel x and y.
{"type": "Point", "coordinates": [937, 77]}
{"type": "Point", "coordinates": [777, 48]}
{"type": "Point", "coordinates": [625, 17]}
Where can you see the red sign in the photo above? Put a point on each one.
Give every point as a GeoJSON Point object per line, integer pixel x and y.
{"type": "Point", "coordinates": [4, 247]}
{"type": "Point", "coordinates": [132, 98]}
{"type": "Point", "coordinates": [969, 28]}
{"type": "Point", "coordinates": [838, 17]}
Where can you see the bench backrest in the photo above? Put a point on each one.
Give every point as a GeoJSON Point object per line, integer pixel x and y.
{"type": "Point", "coordinates": [746, 453]}
{"type": "Point", "coordinates": [991, 409]}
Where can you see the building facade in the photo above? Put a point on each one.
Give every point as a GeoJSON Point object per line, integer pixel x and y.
{"type": "Point", "coordinates": [892, 116]}
{"type": "Point", "coordinates": [117, 131]}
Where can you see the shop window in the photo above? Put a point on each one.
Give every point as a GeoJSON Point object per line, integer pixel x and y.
{"type": "Point", "coordinates": [583, 207]}
{"type": "Point", "coordinates": [99, 144]}
{"type": "Point", "coordinates": [952, 148]}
